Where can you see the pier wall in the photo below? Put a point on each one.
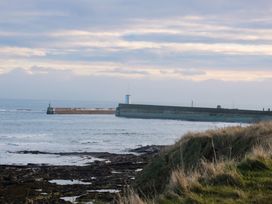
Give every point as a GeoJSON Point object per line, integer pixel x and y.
{"type": "Point", "coordinates": [191, 113]}
{"type": "Point", "coordinates": [51, 110]}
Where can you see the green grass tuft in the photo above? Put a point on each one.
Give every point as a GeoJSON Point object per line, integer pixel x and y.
{"type": "Point", "coordinates": [253, 165]}
{"type": "Point", "coordinates": [226, 179]}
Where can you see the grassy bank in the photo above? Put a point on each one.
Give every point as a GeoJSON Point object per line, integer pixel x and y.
{"type": "Point", "coordinates": [229, 165]}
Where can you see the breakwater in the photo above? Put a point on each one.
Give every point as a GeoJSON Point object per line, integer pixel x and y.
{"type": "Point", "coordinates": [192, 113]}
{"type": "Point", "coordinates": [94, 111]}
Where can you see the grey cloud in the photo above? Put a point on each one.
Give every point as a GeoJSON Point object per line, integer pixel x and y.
{"type": "Point", "coordinates": [110, 13]}
{"type": "Point", "coordinates": [39, 69]}
{"type": "Point", "coordinates": [181, 38]}
{"type": "Point", "coordinates": [46, 70]}
{"type": "Point", "coordinates": [125, 71]}
{"type": "Point", "coordinates": [189, 72]}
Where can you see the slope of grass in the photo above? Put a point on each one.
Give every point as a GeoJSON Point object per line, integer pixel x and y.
{"type": "Point", "coordinates": [212, 167]}
{"type": "Point", "coordinates": [248, 181]}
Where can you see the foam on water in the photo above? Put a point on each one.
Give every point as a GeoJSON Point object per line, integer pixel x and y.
{"type": "Point", "coordinates": [105, 191]}
{"type": "Point", "coordinates": [71, 199]}
{"type": "Point", "coordinates": [7, 158]}
{"type": "Point", "coordinates": [63, 182]}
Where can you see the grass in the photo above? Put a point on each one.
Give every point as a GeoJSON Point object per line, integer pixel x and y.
{"type": "Point", "coordinates": [131, 198]}
{"type": "Point", "coordinates": [228, 165]}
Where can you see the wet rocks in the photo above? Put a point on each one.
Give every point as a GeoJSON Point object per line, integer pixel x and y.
{"type": "Point", "coordinates": [100, 180]}
{"type": "Point", "coordinates": [149, 149]}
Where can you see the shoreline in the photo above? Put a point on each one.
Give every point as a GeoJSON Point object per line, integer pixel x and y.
{"type": "Point", "coordinates": [100, 180]}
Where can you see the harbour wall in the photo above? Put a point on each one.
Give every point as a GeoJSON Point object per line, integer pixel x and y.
{"type": "Point", "coordinates": [96, 111]}
{"type": "Point", "coordinates": [191, 113]}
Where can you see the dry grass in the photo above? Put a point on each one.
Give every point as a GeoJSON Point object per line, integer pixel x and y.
{"type": "Point", "coordinates": [208, 169]}
{"type": "Point", "coordinates": [260, 130]}
{"type": "Point", "coordinates": [223, 173]}
{"type": "Point", "coordinates": [184, 183]}
{"type": "Point", "coordinates": [261, 152]}
{"type": "Point", "coordinates": [211, 169]}
{"type": "Point", "coordinates": [131, 198]}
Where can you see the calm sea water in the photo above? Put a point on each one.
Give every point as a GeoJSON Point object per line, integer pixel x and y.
{"type": "Point", "coordinates": [25, 126]}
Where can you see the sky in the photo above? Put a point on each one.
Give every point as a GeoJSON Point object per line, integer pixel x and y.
{"type": "Point", "coordinates": [161, 52]}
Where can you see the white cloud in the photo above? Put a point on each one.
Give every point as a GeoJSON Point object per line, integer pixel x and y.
{"type": "Point", "coordinates": [21, 52]}
{"type": "Point", "coordinates": [164, 47]}
{"type": "Point", "coordinates": [228, 37]}
{"type": "Point", "coordinates": [125, 70]}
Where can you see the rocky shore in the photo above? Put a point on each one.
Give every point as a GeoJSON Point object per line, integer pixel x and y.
{"type": "Point", "coordinates": [101, 181]}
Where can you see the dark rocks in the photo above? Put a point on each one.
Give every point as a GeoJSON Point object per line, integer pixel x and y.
{"type": "Point", "coordinates": [31, 183]}
{"type": "Point", "coordinates": [149, 149]}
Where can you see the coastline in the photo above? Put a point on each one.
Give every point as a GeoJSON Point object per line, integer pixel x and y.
{"type": "Point", "coordinates": [103, 180]}
{"type": "Point", "coordinates": [196, 169]}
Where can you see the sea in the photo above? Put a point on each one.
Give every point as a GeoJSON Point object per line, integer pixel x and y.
{"type": "Point", "coordinates": [29, 136]}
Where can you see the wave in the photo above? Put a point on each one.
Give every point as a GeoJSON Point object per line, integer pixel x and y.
{"type": "Point", "coordinates": [23, 109]}
{"type": "Point", "coordinates": [20, 110]}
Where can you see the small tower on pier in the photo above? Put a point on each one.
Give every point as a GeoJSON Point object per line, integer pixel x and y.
{"type": "Point", "coordinates": [127, 99]}
{"type": "Point", "coordinates": [50, 110]}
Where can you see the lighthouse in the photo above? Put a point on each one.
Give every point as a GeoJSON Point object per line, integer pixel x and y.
{"type": "Point", "coordinates": [127, 99]}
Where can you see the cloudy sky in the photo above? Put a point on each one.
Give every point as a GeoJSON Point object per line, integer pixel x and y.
{"type": "Point", "coordinates": [170, 52]}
